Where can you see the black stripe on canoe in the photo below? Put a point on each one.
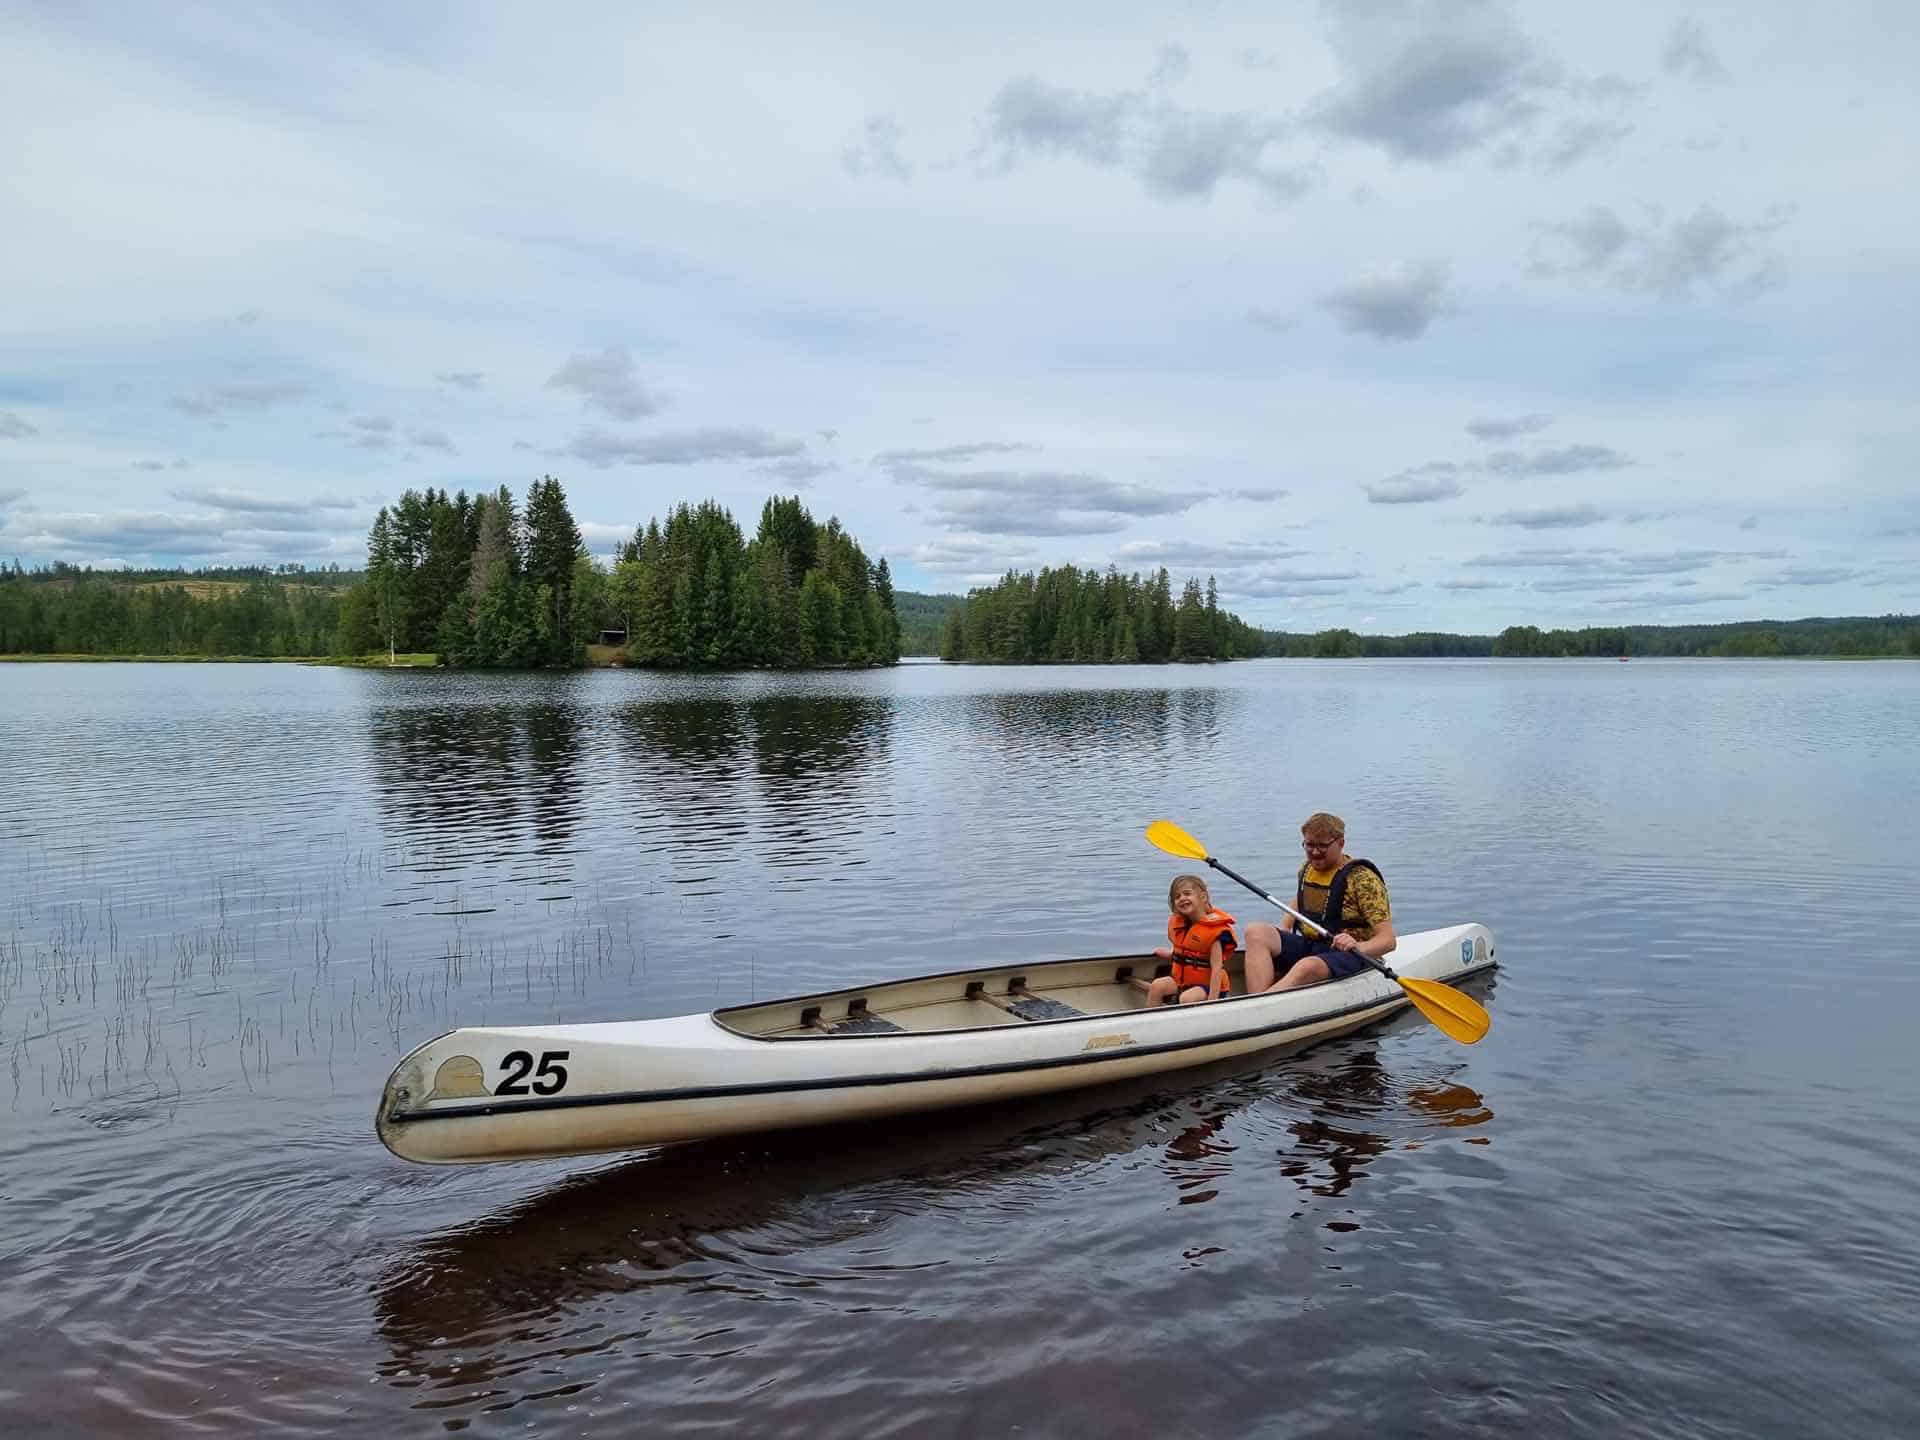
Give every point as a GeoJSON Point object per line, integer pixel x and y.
{"type": "Point", "coordinates": [849, 1082]}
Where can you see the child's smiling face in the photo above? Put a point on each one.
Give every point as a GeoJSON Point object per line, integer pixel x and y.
{"type": "Point", "coordinates": [1190, 902]}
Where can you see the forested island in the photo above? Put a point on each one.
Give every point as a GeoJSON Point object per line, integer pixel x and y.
{"type": "Point", "coordinates": [1090, 617]}
{"type": "Point", "coordinates": [481, 585]}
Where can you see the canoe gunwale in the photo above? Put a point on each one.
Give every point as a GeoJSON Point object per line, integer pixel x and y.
{"type": "Point", "coordinates": [1385, 1004]}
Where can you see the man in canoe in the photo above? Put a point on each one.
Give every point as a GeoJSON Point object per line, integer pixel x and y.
{"type": "Point", "coordinates": [1346, 895]}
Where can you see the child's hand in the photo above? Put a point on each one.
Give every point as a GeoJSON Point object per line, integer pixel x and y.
{"type": "Point", "coordinates": [1164, 952]}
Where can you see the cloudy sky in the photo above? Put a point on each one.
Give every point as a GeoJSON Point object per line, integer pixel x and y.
{"type": "Point", "coordinates": [1390, 314]}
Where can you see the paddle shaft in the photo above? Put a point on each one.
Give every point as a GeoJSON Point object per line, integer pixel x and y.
{"type": "Point", "coordinates": [1356, 953]}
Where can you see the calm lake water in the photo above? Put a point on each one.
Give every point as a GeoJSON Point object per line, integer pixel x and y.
{"type": "Point", "coordinates": [1675, 1192]}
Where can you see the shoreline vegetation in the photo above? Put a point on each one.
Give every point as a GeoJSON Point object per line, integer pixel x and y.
{"type": "Point", "coordinates": [484, 583]}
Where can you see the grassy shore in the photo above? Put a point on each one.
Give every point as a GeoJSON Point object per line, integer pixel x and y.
{"type": "Point", "coordinates": [369, 662]}
{"type": "Point", "coordinates": [380, 660]}
{"type": "Point", "coordinates": [159, 659]}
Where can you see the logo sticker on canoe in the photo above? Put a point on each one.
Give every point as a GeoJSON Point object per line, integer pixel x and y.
{"type": "Point", "coordinates": [458, 1078]}
{"type": "Point", "coordinates": [1466, 952]}
{"type": "Point", "coordinates": [1108, 1042]}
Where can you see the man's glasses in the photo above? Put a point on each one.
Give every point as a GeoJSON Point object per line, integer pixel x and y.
{"type": "Point", "coordinates": [1318, 844]}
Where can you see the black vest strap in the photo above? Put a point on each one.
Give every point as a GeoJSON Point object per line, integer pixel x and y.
{"type": "Point", "coordinates": [1336, 896]}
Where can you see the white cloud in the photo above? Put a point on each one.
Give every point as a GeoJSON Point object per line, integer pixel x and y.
{"type": "Point", "coordinates": [1396, 303]}
{"type": "Point", "coordinates": [1549, 517]}
{"type": "Point", "coordinates": [1174, 152]}
{"type": "Point", "coordinates": [877, 152]}
{"type": "Point", "coordinates": [680, 447]}
{"type": "Point", "coordinates": [1419, 486]}
{"type": "Point", "coordinates": [1508, 429]}
{"type": "Point", "coordinates": [242, 397]}
{"type": "Point", "coordinates": [1689, 54]}
{"type": "Point", "coordinates": [1567, 460]}
{"type": "Point", "coordinates": [609, 382]}
{"type": "Point", "coordinates": [1668, 259]}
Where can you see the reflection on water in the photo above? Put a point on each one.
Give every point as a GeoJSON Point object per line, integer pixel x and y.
{"type": "Point", "coordinates": [471, 1314]}
{"type": "Point", "coordinates": [822, 765]}
{"type": "Point", "coordinates": [618, 1263]}
{"type": "Point", "coordinates": [1066, 722]}
{"type": "Point", "coordinates": [1197, 1161]}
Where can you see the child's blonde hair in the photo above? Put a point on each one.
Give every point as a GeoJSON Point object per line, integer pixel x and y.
{"type": "Point", "coordinates": [1181, 882]}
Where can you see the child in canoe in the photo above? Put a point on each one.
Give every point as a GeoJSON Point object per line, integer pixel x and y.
{"type": "Point", "coordinates": [1200, 942]}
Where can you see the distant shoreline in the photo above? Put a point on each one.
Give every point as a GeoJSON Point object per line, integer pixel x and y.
{"type": "Point", "coordinates": [431, 662]}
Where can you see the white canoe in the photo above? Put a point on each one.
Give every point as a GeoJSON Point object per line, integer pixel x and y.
{"type": "Point", "coordinates": [974, 1036]}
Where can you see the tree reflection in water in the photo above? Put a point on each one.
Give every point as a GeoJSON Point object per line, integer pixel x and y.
{"type": "Point", "coordinates": [1092, 722]}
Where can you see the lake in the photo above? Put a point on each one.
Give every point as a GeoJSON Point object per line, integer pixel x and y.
{"type": "Point", "coordinates": [1674, 1192]}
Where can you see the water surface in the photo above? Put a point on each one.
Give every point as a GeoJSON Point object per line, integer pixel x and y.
{"type": "Point", "coordinates": [1673, 1192]}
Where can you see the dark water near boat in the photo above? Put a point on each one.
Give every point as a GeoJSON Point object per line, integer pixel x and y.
{"type": "Point", "coordinates": [1673, 1193]}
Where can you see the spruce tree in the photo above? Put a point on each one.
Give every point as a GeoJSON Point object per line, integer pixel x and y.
{"type": "Point", "coordinates": [553, 542]}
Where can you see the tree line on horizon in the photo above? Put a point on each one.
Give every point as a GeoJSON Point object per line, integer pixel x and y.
{"type": "Point", "coordinates": [1888, 635]}
{"type": "Point", "coordinates": [295, 611]}
{"type": "Point", "coordinates": [1090, 617]}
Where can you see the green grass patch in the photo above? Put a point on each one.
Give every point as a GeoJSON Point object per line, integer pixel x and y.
{"type": "Point", "coordinates": [163, 659]}
{"type": "Point", "coordinates": [379, 660]}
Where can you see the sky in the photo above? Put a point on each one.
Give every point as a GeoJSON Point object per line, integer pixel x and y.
{"type": "Point", "coordinates": [1385, 314]}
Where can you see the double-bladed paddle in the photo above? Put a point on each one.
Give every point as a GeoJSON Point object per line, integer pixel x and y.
{"type": "Point", "coordinates": [1461, 1016]}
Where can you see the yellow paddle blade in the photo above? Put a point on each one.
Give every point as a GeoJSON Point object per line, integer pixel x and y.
{"type": "Point", "coordinates": [1171, 838]}
{"type": "Point", "coordinates": [1461, 1016]}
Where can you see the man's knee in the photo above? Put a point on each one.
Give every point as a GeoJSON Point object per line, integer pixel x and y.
{"type": "Point", "coordinates": [1267, 935]}
{"type": "Point", "coordinates": [1308, 970]}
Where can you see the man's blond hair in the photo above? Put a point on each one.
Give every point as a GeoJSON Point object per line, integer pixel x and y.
{"type": "Point", "coordinates": [1322, 826]}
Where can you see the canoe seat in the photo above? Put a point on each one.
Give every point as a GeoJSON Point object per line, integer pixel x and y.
{"type": "Point", "coordinates": [859, 1021]}
{"type": "Point", "coordinates": [1022, 1002]}
{"type": "Point", "coordinates": [1040, 1007]}
{"type": "Point", "coordinates": [865, 1025]}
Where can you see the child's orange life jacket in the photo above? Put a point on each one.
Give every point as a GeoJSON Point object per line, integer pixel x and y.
{"type": "Point", "coordinates": [1193, 947]}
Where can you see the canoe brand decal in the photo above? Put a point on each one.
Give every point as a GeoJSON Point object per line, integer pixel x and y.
{"type": "Point", "coordinates": [549, 1079]}
{"type": "Point", "coordinates": [1108, 1042]}
{"type": "Point", "coordinates": [458, 1078]}
{"type": "Point", "coordinates": [1480, 947]}
{"type": "Point", "coordinates": [1466, 952]}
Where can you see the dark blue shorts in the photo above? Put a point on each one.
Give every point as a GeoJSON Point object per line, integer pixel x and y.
{"type": "Point", "coordinates": [1295, 946]}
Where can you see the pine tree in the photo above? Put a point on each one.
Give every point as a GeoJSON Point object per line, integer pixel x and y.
{"type": "Point", "coordinates": [553, 542]}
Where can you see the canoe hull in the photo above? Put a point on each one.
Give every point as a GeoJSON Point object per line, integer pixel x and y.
{"type": "Point", "coordinates": [528, 1092]}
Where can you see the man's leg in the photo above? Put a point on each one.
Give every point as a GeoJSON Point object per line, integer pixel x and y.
{"type": "Point", "coordinates": [1308, 970]}
{"type": "Point", "coordinates": [1263, 943]}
